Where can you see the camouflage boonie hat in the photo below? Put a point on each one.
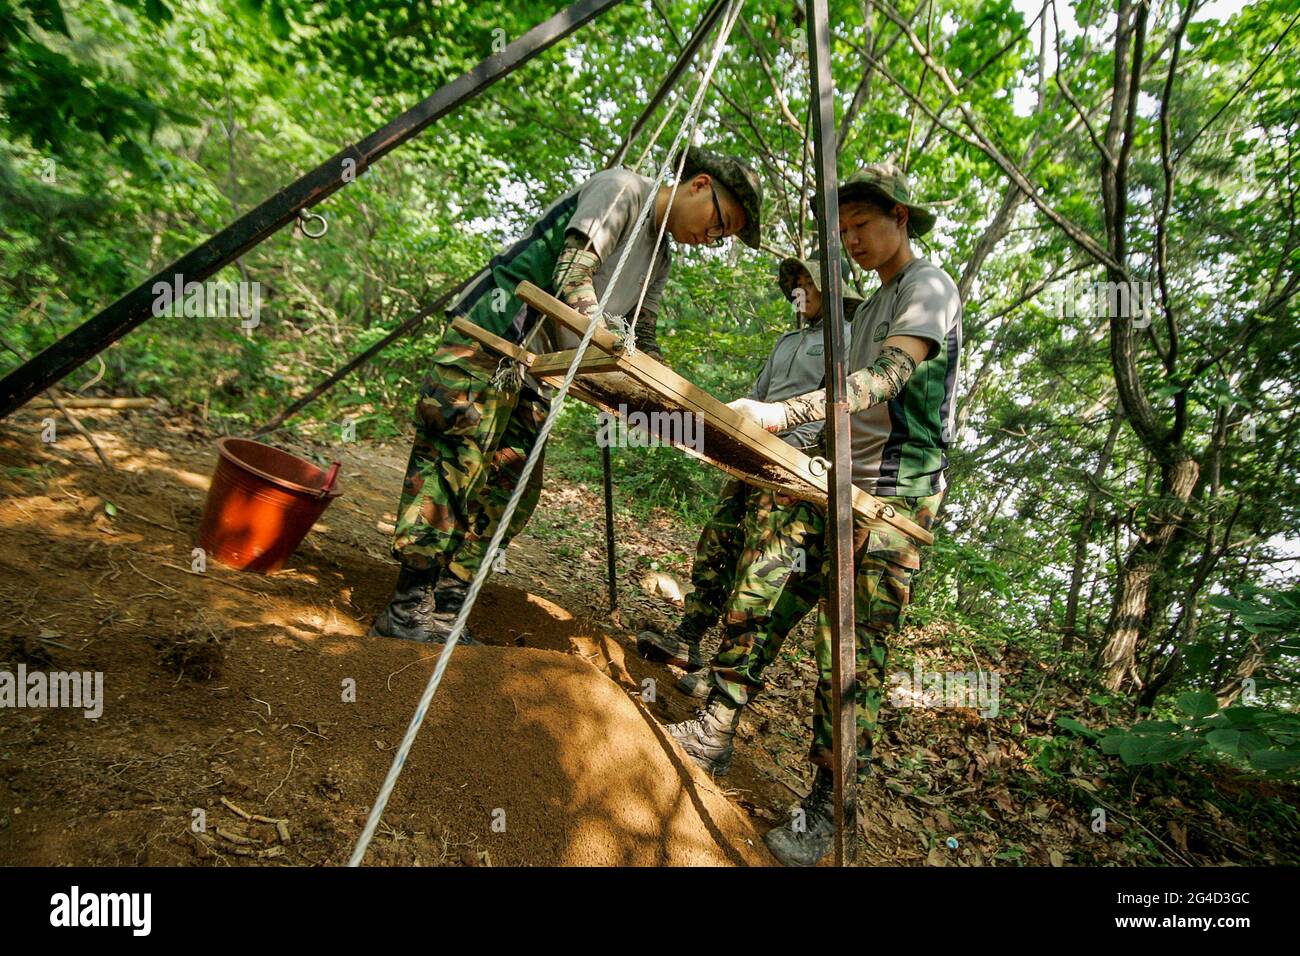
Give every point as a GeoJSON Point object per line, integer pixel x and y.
{"type": "Point", "coordinates": [737, 177]}
{"type": "Point", "coordinates": [889, 183]}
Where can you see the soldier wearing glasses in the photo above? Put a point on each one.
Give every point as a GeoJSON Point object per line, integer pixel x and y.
{"type": "Point", "coordinates": [474, 431]}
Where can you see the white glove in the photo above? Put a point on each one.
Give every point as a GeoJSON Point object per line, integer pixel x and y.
{"type": "Point", "coordinates": [769, 415]}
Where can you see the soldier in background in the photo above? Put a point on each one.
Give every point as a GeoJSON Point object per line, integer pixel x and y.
{"type": "Point", "coordinates": [733, 546]}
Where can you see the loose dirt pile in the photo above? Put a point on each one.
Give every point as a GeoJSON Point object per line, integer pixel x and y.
{"type": "Point", "coordinates": [233, 696]}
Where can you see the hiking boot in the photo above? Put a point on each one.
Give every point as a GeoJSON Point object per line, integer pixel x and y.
{"type": "Point", "coordinates": [697, 684]}
{"type": "Point", "coordinates": [680, 648]}
{"type": "Point", "coordinates": [808, 836]}
{"type": "Point", "coordinates": [708, 738]}
{"type": "Point", "coordinates": [407, 615]}
{"type": "Point", "coordinates": [449, 598]}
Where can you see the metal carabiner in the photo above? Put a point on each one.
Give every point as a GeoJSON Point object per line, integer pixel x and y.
{"type": "Point", "coordinates": [305, 217]}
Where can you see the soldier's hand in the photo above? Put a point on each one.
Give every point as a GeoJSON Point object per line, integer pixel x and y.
{"type": "Point", "coordinates": [769, 415]}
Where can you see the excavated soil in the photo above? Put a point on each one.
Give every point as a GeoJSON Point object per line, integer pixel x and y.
{"type": "Point", "coordinates": [228, 696]}
{"type": "Point", "coordinates": [225, 699]}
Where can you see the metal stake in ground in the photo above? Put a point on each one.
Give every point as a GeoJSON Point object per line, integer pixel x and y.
{"type": "Point", "coordinates": [839, 510]}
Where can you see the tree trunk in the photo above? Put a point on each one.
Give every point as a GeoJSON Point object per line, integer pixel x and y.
{"type": "Point", "coordinates": [1130, 608]}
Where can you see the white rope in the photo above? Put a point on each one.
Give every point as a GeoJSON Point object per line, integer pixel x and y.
{"type": "Point", "coordinates": [693, 117]}
{"type": "Point", "coordinates": [508, 376]}
{"type": "Point", "coordinates": [485, 566]}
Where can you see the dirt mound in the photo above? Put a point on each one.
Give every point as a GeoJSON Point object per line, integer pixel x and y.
{"type": "Point", "coordinates": [537, 750]}
{"type": "Point", "coordinates": [552, 763]}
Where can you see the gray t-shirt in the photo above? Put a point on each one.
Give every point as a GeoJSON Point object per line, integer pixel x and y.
{"type": "Point", "coordinates": [796, 366]}
{"type": "Point", "coordinates": [900, 446]}
{"type": "Point", "coordinates": [608, 205]}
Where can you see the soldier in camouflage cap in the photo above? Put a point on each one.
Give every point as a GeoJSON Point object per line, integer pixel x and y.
{"type": "Point", "coordinates": [739, 179]}
{"type": "Point", "coordinates": [790, 277]}
{"type": "Point", "coordinates": [476, 424]}
{"type": "Point", "coordinates": [885, 184]}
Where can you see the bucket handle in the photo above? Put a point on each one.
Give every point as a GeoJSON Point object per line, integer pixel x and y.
{"type": "Point", "coordinates": [330, 477]}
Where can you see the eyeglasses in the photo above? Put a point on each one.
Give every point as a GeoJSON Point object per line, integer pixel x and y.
{"type": "Point", "coordinates": [716, 233]}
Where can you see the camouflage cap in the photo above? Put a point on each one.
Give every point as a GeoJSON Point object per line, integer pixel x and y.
{"type": "Point", "coordinates": [888, 182]}
{"type": "Point", "coordinates": [787, 276]}
{"type": "Point", "coordinates": [738, 177]}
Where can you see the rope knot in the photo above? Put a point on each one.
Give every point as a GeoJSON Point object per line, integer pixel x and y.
{"type": "Point", "coordinates": [508, 377]}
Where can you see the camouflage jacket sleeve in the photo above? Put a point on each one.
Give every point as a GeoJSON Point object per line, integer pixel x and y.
{"type": "Point", "coordinates": [866, 387]}
{"type": "Point", "coordinates": [574, 270]}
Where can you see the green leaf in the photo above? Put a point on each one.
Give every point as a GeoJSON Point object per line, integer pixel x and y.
{"type": "Point", "coordinates": [1197, 703]}
{"type": "Point", "coordinates": [1110, 744]}
{"type": "Point", "coordinates": [110, 509]}
{"type": "Point", "coordinates": [279, 22]}
{"type": "Point", "coordinates": [1135, 749]}
{"type": "Point", "coordinates": [48, 14]}
{"type": "Point", "coordinates": [1155, 727]}
{"type": "Point", "coordinates": [1238, 743]}
{"type": "Point", "coordinates": [1069, 723]}
{"type": "Point", "coordinates": [1275, 759]}
{"type": "Point", "coordinates": [157, 11]}
{"type": "Point", "coordinates": [1243, 716]}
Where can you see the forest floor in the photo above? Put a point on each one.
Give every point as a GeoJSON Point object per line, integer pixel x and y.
{"type": "Point", "coordinates": [225, 698]}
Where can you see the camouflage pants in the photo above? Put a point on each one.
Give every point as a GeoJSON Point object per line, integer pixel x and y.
{"type": "Point", "coordinates": [716, 554]}
{"type": "Point", "coordinates": [776, 583]}
{"type": "Point", "coordinates": [730, 582]}
{"type": "Point", "coordinates": [884, 564]}
{"type": "Point", "coordinates": [471, 440]}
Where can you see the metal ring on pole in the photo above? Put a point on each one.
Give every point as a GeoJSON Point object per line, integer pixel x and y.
{"type": "Point", "coordinates": [305, 217]}
{"type": "Point", "coordinates": [819, 466]}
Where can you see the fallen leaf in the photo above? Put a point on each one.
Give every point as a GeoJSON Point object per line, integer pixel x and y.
{"type": "Point", "coordinates": [1179, 833]}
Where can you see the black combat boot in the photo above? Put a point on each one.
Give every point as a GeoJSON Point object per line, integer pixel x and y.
{"type": "Point", "coordinates": [448, 599]}
{"type": "Point", "coordinates": [708, 738]}
{"type": "Point", "coordinates": [407, 615]}
{"type": "Point", "coordinates": [680, 648]}
{"type": "Point", "coordinates": [696, 684]}
{"type": "Point", "coordinates": [810, 835]}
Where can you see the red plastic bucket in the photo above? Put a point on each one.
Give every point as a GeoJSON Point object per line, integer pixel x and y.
{"type": "Point", "coordinates": [261, 504]}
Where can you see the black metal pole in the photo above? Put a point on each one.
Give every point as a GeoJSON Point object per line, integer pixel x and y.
{"type": "Point", "coordinates": [96, 334]}
{"type": "Point", "coordinates": [611, 567]}
{"type": "Point", "coordinates": [839, 526]}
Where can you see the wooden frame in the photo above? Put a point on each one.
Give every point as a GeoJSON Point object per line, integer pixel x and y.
{"type": "Point", "coordinates": [621, 383]}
